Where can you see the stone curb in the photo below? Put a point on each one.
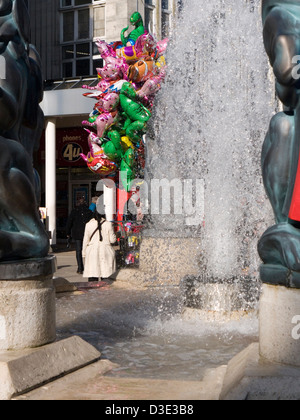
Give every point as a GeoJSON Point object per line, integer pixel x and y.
{"type": "Point", "coordinates": [22, 371]}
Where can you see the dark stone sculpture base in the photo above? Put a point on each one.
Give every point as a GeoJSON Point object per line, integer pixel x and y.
{"type": "Point", "coordinates": [32, 269]}
{"type": "Point", "coordinates": [278, 275]}
{"type": "Point", "coordinates": [27, 303]}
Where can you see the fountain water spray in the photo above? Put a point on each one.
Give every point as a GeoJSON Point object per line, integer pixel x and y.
{"type": "Point", "coordinates": [210, 121]}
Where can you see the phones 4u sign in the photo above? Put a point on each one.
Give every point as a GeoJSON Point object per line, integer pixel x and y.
{"type": "Point", "coordinates": [70, 143]}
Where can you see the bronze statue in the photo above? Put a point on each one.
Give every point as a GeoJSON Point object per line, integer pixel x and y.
{"type": "Point", "coordinates": [22, 234]}
{"type": "Point", "coordinates": [279, 246]}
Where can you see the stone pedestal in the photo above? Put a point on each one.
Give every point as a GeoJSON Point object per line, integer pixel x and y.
{"type": "Point", "coordinates": [279, 316]}
{"type": "Point", "coordinates": [29, 353]}
{"type": "Point", "coordinates": [23, 370]}
{"type": "Point", "coordinates": [269, 369]}
{"type": "Point", "coordinates": [167, 260]}
{"type": "Point", "coordinates": [218, 296]}
{"type": "Point", "coordinates": [252, 377]}
{"type": "Point", "coordinates": [27, 303]}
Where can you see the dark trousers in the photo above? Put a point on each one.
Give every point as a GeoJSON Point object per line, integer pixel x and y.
{"type": "Point", "coordinates": [78, 245]}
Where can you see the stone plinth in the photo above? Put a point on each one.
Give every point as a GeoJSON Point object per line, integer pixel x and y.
{"type": "Point", "coordinates": [252, 377]}
{"type": "Point", "coordinates": [23, 370]}
{"type": "Point", "coordinates": [279, 317]}
{"type": "Point", "coordinates": [167, 260]}
{"type": "Point", "coordinates": [270, 369]}
{"type": "Point", "coordinates": [27, 303]}
{"type": "Point", "coordinates": [220, 295]}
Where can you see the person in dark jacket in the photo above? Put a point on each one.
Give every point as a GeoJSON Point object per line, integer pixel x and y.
{"type": "Point", "coordinates": [77, 220]}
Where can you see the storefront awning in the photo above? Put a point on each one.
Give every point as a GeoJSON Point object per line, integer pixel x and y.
{"type": "Point", "coordinates": [65, 98]}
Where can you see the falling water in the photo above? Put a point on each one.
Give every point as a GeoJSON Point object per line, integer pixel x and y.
{"type": "Point", "coordinates": [210, 121]}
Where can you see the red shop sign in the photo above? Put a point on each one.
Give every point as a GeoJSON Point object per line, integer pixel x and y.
{"type": "Point", "coordinates": [70, 143]}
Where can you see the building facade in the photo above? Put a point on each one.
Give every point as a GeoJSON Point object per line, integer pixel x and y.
{"type": "Point", "coordinates": [64, 32]}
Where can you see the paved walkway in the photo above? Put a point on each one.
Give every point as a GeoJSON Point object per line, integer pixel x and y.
{"type": "Point", "coordinates": [67, 267]}
{"type": "Point", "coordinates": [90, 383]}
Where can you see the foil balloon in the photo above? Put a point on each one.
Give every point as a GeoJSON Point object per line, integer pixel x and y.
{"type": "Point", "coordinates": [137, 114]}
{"type": "Point", "coordinates": [108, 102]}
{"type": "Point", "coordinates": [105, 114]}
{"type": "Point", "coordinates": [113, 148]}
{"type": "Point", "coordinates": [161, 46]}
{"type": "Point", "coordinates": [101, 87]}
{"type": "Point", "coordinates": [102, 122]}
{"type": "Point", "coordinates": [128, 53]}
{"type": "Point", "coordinates": [96, 160]}
{"type": "Point", "coordinates": [141, 71]}
{"type": "Point", "coordinates": [101, 165]}
{"type": "Point", "coordinates": [144, 47]}
{"type": "Point", "coordinates": [151, 86]}
{"type": "Point", "coordinates": [133, 72]}
{"type": "Point", "coordinates": [131, 106]}
{"type": "Point", "coordinates": [126, 143]}
{"type": "Point", "coordinates": [137, 21]}
{"type": "Point", "coordinates": [115, 68]}
{"type": "Point", "coordinates": [128, 169]}
{"type": "Point", "coordinates": [108, 87]}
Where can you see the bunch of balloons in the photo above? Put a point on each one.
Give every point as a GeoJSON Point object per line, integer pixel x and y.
{"type": "Point", "coordinates": [133, 71]}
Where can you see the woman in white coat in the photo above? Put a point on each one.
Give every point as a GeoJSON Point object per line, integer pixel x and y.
{"type": "Point", "coordinates": [100, 258]}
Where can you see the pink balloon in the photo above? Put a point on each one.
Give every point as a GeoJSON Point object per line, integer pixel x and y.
{"type": "Point", "coordinates": [115, 67]}
{"type": "Point", "coordinates": [108, 102]}
{"type": "Point", "coordinates": [102, 122]}
{"type": "Point", "coordinates": [161, 46]}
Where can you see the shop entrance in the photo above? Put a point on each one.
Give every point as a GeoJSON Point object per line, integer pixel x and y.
{"type": "Point", "coordinates": [68, 193]}
{"type": "Point", "coordinates": [85, 189]}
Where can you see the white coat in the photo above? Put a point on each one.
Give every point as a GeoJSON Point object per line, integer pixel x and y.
{"type": "Point", "coordinates": [100, 258]}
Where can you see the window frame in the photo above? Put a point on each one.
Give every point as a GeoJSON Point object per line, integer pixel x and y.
{"type": "Point", "coordinates": [150, 9]}
{"type": "Point", "coordinates": [76, 41]}
{"type": "Point", "coordinates": [75, 29]}
{"type": "Point", "coordinates": [72, 5]}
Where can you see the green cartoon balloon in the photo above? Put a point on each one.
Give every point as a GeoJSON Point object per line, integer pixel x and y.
{"type": "Point", "coordinates": [128, 169]}
{"type": "Point", "coordinates": [137, 115]}
{"type": "Point", "coordinates": [113, 148]}
{"type": "Point", "coordinates": [137, 21]}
